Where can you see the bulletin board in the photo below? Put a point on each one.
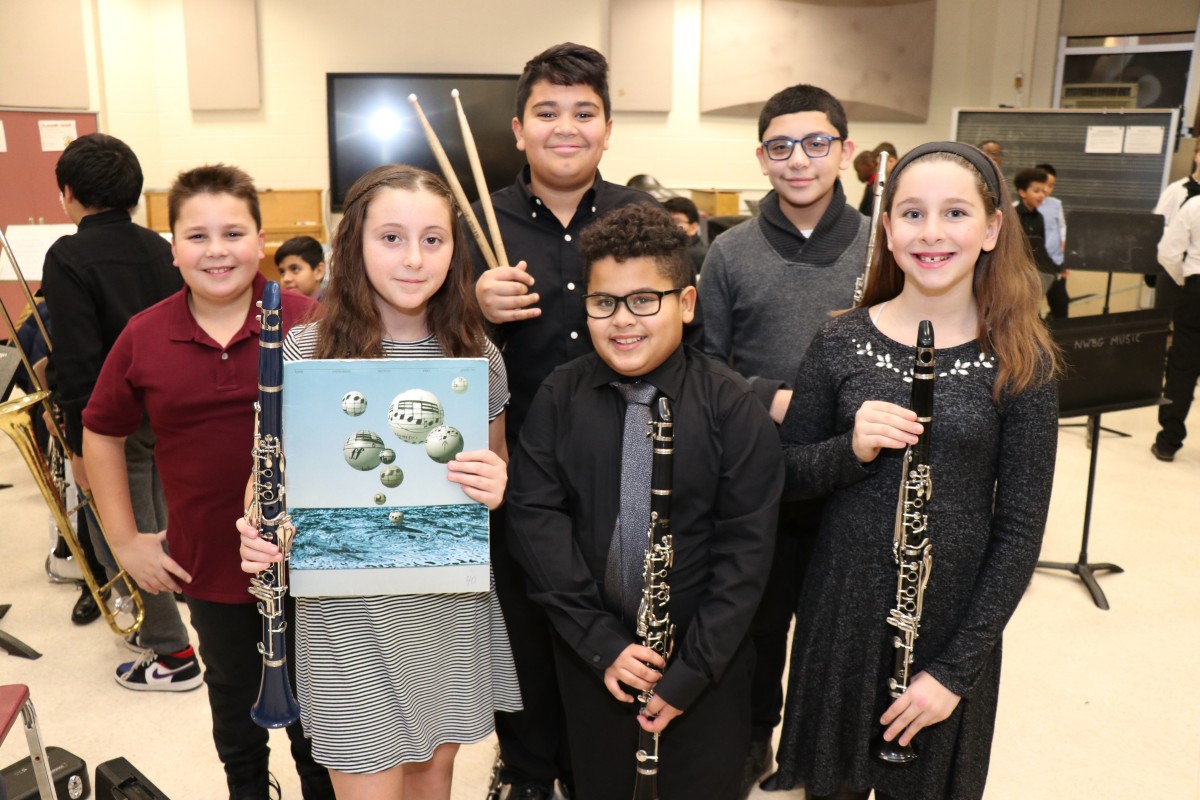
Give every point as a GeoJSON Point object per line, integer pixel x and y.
{"type": "Point", "coordinates": [1113, 160]}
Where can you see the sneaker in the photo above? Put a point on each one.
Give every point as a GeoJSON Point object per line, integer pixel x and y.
{"type": "Point", "coordinates": [152, 672]}
{"type": "Point", "coordinates": [1161, 454]}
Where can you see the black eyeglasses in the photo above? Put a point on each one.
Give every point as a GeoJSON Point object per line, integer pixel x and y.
{"type": "Point", "coordinates": [641, 304]}
{"type": "Point", "coordinates": [815, 145]}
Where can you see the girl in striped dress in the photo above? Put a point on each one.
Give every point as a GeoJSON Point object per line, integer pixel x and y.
{"type": "Point", "coordinates": [390, 686]}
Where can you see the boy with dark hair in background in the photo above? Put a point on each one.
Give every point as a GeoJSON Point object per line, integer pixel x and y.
{"type": "Point", "coordinates": [1031, 189]}
{"type": "Point", "coordinates": [94, 281]}
{"type": "Point", "coordinates": [579, 509]}
{"type": "Point", "coordinates": [301, 262]}
{"type": "Point", "coordinates": [687, 217]}
{"type": "Point", "coordinates": [562, 124]}
{"type": "Point", "coordinates": [1055, 222]}
{"type": "Point", "coordinates": [769, 284]}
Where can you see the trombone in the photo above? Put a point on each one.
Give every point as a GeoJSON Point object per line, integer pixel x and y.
{"type": "Point", "coordinates": [16, 420]}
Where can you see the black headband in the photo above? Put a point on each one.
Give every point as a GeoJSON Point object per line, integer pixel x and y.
{"type": "Point", "coordinates": [978, 159]}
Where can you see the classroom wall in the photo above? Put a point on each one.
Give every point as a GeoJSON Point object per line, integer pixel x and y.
{"type": "Point", "coordinates": [141, 81]}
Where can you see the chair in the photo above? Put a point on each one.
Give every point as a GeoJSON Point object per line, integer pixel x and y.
{"type": "Point", "coordinates": [14, 700]}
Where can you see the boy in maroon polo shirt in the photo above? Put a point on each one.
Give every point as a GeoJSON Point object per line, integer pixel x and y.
{"type": "Point", "coordinates": [191, 364]}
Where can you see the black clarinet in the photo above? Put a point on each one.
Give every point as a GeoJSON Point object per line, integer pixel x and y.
{"type": "Point", "coordinates": [276, 706]}
{"type": "Point", "coordinates": [654, 624]}
{"type": "Point", "coordinates": [911, 548]}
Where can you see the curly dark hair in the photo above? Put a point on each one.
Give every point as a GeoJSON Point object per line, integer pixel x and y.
{"type": "Point", "coordinates": [639, 231]}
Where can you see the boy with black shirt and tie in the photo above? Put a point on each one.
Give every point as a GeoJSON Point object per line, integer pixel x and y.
{"type": "Point", "coordinates": [566, 490]}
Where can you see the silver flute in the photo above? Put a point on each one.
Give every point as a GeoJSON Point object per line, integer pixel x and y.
{"type": "Point", "coordinates": [860, 283]}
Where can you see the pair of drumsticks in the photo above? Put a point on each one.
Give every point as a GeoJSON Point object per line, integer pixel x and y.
{"type": "Point", "coordinates": [485, 199]}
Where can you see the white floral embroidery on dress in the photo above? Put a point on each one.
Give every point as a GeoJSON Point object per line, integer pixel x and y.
{"type": "Point", "coordinates": [884, 360]}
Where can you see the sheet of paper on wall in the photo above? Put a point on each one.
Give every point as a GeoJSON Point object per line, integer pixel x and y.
{"type": "Point", "coordinates": [1104, 139]}
{"type": "Point", "coordinates": [3, 139]}
{"type": "Point", "coordinates": [29, 244]}
{"type": "Point", "coordinates": [56, 134]}
{"type": "Point", "coordinates": [1144, 139]}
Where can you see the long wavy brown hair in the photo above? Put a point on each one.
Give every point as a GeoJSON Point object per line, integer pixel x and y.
{"type": "Point", "coordinates": [1006, 286]}
{"type": "Point", "coordinates": [350, 323]}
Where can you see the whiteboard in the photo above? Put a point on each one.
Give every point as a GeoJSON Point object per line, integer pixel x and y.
{"type": "Point", "coordinates": [1109, 160]}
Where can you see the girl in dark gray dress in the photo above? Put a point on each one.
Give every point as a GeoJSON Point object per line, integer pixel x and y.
{"type": "Point", "coordinates": [950, 252]}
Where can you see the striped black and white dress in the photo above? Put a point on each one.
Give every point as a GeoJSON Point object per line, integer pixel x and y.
{"type": "Point", "coordinates": [384, 680]}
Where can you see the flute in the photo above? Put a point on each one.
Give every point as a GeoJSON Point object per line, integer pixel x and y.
{"type": "Point", "coordinates": [911, 548]}
{"type": "Point", "coordinates": [860, 283]}
{"type": "Point", "coordinates": [276, 706]}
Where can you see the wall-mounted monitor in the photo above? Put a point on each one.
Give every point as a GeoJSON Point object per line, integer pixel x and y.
{"type": "Point", "coordinates": [371, 123]}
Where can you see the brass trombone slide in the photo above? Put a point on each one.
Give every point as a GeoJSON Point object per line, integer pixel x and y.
{"type": "Point", "coordinates": [16, 420]}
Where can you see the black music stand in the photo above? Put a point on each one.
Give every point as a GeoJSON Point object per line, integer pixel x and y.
{"type": "Point", "coordinates": [1115, 362]}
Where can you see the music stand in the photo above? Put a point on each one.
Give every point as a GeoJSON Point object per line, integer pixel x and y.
{"type": "Point", "coordinates": [1114, 363]}
{"type": "Point", "coordinates": [1113, 241]}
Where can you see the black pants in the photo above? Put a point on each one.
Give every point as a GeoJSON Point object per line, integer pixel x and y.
{"type": "Point", "coordinates": [228, 640]}
{"type": "Point", "coordinates": [532, 741]}
{"type": "Point", "coordinates": [794, 542]}
{"type": "Point", "coordinates": [1183, 366]}
{"type": "Point", "coordinates": [701, 752]}
{"type": "Point", "coordinates": [1058, 299]}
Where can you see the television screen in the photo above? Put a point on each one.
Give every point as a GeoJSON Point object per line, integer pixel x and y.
{"type": "Point", "coordinates": [371, 123]}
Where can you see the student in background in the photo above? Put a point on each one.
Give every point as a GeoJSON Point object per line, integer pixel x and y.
{"type": "Point", "coordinates": [301, 262]}
{"type": "Point", "coordinates": [578, 531]}
{"type": "Point", "coordinates": [1031, 192]}
{"type": "Point", "coordinates": [1051, 210]}
{"type": "Point", "coordinates": [769, 284]}
{"type": "Point", "coordinates": [94, 281]}
{"type": "Point", "coordinates": [687, 217]}
{"type": "Point", "coordinates": [190, 363]}
{"type": "Point", "coordinates": [562, 125]}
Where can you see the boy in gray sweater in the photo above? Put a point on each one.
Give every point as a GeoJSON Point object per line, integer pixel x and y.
{"type": "Point", "coordinates": [769, 284]}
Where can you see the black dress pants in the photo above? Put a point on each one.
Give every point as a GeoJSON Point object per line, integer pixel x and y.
{"type": "Point", "coordinates": [532, 741]}
{"type": "Point", "coordinates": [1183, 366]}
{"type": "Point", "coordinates": [228, 641]}
{"type": "Point", "coordinates": [794, 542]}
{"type": "Point", "coordinates": [701, 752]}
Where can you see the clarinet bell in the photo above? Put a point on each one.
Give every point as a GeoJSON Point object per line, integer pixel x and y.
{"type": "Point", "coordinates": [895, 753]}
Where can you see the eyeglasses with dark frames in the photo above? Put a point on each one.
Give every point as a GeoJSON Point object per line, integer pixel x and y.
{"type": "Point", "coordinates": [645, 303]}
{"type": "Point", "coordinates": [815, 145]}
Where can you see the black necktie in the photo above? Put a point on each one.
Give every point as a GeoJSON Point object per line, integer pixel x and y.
{"type": "Point", "coordinates": [626, 552]}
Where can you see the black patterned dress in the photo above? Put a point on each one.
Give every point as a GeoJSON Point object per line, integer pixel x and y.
{"type": "Point", "coordinates": [992, 465]}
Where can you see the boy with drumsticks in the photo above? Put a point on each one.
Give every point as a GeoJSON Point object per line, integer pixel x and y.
{"type": "Point", "coordinates": [562, 124]}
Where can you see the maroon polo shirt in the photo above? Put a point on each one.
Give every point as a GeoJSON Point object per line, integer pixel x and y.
{"type": "Point", "coordinates": [200, 398]}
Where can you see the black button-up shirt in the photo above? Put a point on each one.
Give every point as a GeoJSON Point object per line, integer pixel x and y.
{"type": "Point", "coordinates": [94, 281]}
{"type": "Point", "coordinates": [531, 233]}
{"type": "Point", "coordinates": [564, 497]}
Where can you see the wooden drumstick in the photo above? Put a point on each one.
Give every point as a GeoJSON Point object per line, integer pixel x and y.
{"type": "Point", "coordinates": [448, 172]}
{"type": "Point", "coordinates": [485, 199]}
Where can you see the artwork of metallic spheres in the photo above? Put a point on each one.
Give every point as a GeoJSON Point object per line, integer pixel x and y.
{"type": "Point", "coordinates": [391, 477]}
{"type": "Point", "coordinates": [413, 414]}
{"type": "Point", "coordinates": [443, 444]}
{"type": "Point", "coordinates": [380, 498]}
{"type": "Point", "coordinates": [354, 404]}
{"type": "Point", "coordinates": [396, 517]}
{"type": "Point", "coordinates": [387, 455]}
{"type": "Point", "coordinates": [459, 385]}
{"type": "Point", "coordinates": [362, 450]}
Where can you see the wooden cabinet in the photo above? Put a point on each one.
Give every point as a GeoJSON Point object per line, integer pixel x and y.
{"type": "Point", "coordinates": [285, 213]}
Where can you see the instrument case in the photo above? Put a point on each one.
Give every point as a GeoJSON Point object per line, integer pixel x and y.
{"type": "Point", "coordinates": [119, 780]}
{"type": "Point", "coordinates": [69, 771]}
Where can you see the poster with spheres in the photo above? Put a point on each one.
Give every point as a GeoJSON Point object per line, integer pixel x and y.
{"type": "Point", "coordinates": [366, 444]}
